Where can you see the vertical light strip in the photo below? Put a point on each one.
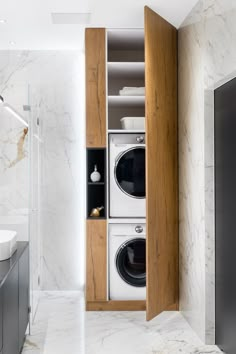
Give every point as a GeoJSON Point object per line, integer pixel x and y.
{"type": "Point", "coordinates": [82, 167]}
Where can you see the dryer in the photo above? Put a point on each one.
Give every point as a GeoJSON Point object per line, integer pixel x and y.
{"type": "Point", "coordinates": [127, 175]}
{"type": "Point", "coordinates": [127, 261]}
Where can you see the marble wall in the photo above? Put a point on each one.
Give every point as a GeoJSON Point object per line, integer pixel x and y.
{"type": "Point", "coordinates": [56, 96]}
{"type": "Point", "coordinates": [207, 59]}
{"type": "Point", "coordinates": [191, 177]}
{"type": "Point", "coordinates": [14, 176]}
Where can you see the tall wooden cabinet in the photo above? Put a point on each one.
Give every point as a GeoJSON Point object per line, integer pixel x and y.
{"type": "Point", "coordinates": [158, 48]}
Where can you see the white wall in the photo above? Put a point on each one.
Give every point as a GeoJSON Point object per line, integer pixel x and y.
{"type": "Point", "coordinates": [56, 80]}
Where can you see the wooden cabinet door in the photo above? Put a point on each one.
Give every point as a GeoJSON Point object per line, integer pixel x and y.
{"type": "Point", "coordinates": [95, 39]}
{"type": "Point", "coordinates": [96, 261]}
{"type": "Point", "coordinates": [161, 163]}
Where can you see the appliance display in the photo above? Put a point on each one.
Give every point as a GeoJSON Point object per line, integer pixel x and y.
{"type": "Point", "coordinates": [127, 261]}
{"type": "Point", "coordinates": [127, 175]}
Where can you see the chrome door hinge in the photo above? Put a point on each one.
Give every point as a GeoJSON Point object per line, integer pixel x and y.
{"type": "Point", "coordinates": [26, 107]}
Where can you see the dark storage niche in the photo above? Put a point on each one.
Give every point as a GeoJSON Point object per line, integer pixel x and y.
{"type": "Point", "coordinates": [96, 191]}
{"type": "Point", "coordinates": [96, 157]}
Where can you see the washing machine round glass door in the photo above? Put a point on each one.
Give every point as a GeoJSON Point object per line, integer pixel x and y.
{"type": "Point", "coordinates": [130, 172]}
{"type": "Point", "coordinates": [131, 262]}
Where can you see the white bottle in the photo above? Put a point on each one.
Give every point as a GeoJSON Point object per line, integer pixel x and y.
{"type": "Point", "coordinates": [95, 175]}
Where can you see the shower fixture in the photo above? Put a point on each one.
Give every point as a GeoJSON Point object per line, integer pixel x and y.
{"type": "Point", "coordinates": [13, 112]}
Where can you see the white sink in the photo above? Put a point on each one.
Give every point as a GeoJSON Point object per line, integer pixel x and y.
{"type": "Point", "coordinates": [8, 245]}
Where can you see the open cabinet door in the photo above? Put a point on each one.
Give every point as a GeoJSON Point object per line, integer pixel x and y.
{"type": "Point", "coordinates": [161, 164]}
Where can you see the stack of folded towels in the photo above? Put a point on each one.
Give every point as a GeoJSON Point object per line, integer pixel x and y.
{"type": "Point", "coordinates": [132, 91]}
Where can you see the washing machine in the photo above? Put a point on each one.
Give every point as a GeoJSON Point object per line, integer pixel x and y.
{"type": "Point", "coordinates": [127, 261]}
{"type": "Point", "coordinates": [127, 175]}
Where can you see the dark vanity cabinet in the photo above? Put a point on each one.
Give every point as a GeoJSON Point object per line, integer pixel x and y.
{"type": "Point", "coordinates": [14, 300]}
{"type": "Point", "coordinates": [10, 312]}
{"type": "Point", "coordinates": [23, 267]}
{"type": "Point", "coordinates": [1, 322]}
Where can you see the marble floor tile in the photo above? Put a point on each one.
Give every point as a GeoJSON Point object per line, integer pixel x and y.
{"type": "Point", "coordinates": [62, 326]}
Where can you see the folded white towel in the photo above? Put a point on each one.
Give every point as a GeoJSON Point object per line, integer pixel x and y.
{"type": "Point", "coordinates": [132, 91]}
{"type": "Point", "coordinates": [132, 88]}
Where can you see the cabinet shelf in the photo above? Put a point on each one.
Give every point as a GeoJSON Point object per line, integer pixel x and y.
{"type": "Point", "coordinates": [126, 101]}
{"type": "Point", "coordinates": [129, 69]}
{"type": "Point", "coordinates": [126, 131]}
{"type": "Point", "coordinates": [125, 68]}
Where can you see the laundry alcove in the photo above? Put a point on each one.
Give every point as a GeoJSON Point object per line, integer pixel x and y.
{"type": "Point", "coordinates": [143, 57]}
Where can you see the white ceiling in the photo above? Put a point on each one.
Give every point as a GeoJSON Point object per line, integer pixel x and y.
{"type": "Point", "coordinates": [29, 23]}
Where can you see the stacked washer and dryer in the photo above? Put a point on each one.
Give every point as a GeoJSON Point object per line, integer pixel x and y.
{"type": "Point", "coordinates": [127, 212]}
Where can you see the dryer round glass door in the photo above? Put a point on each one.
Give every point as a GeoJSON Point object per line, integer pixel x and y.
{"type": "Point", "coordinates": [131, 262]}
{"type": "Point", "coordinates": [130, 172]}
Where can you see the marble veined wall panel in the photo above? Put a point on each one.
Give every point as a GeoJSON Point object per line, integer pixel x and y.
{"type": "Point", "coordinates": [207, 59]}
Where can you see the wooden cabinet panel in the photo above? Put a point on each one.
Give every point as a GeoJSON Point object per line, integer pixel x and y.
{"type": "Point", "coordinates": [96, 262]}
{"type": "Point", "coordinates": [161, 163]}
{"type": "Point", "coordinates": [116, 305]}
{"type": "Point", "coordinates": [95, 87]}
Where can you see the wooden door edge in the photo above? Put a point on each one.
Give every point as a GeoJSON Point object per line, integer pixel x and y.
{"type": "Point", "coordinates": [113, 305]}
{"type": "Point", "coordinates": [172, 307]}
{"type": "Point", "coordinates": [163, 19]}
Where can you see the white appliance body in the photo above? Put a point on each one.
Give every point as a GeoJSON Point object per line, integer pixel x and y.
{"type": "Point", "coordinates": [127, 261]}
{"type": "Point", "coordinates": [127, 175]}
